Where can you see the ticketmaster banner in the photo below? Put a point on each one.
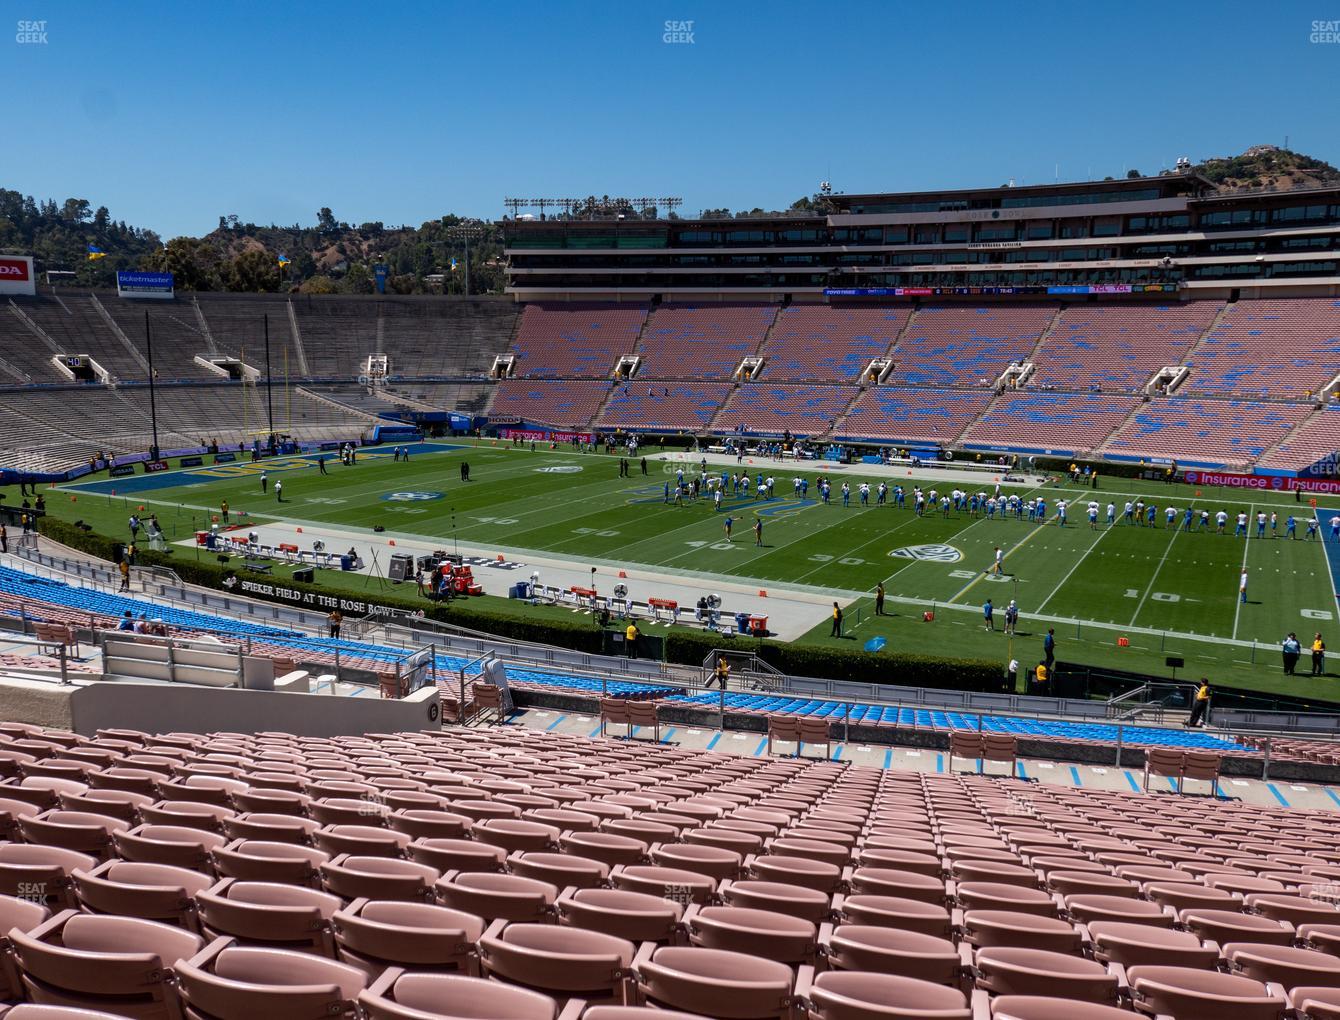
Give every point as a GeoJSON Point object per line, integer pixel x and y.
{"type": "Point", "coordinates": [144, 285]}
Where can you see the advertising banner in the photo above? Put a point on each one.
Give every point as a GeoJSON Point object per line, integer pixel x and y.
{"type": "Point", "coordinates": [17, 275]}
{"type": "Point", "coordinates": [1272, 483]}
{"type": "Point", "coordinates": [543, 436]}
{"type": "Point", "coordinates": [157, 286]}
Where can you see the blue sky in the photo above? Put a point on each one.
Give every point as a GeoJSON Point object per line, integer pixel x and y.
{"type": "Point", "coordinates": [173, 114]}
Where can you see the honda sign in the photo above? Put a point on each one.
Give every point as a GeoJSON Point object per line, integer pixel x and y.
{"type": "Point", "coordinates": [16, 275]}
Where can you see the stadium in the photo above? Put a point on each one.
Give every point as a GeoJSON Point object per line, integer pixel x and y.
{"type": "Point", "coordinates": [910, 603]}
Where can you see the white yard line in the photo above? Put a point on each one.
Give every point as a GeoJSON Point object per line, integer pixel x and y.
{"type": "Point", "coordinates": [1237, 605]}
{"type": "Point", "coordinates": [1036, 528]}
{"type": "Point", "coordinates": [1152, 578]}
{"type": "Point", "coordinates": [1075, 566]}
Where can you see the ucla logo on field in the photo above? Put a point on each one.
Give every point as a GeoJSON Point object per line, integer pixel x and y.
{"type": "Point", "coordinates": [411, 497]}
{"type": "Point", "coordinates": [933, 553]}
{"type": "Point", "coordinates": [559, 469]}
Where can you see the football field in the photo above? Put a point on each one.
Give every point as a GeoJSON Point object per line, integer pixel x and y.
{"type": "Point", "coordinates": [1122, 595]}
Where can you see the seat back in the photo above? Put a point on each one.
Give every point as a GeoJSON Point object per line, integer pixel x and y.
{"type": "Point", "coordinates": [268, 914]}
{"type": "Point", "coordinates": [1163, 761]}
{"type": "Point", "coordinates": [641, 713]}
{"type": "Point", "coordinates": [614, 710]}
{"type": "Point", "coordinates": [231, 982]}
{"type": "Point", "coordinates": [999, 747]}
{"type": "Point", "coordinates": [94, 961]}
{"type": "Point", "coordinates": [398, 996]}
{"type": "Point", "coordinates": [1201, 765]}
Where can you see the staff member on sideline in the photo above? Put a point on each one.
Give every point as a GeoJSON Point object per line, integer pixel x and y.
{"type": "Point", "coordinates": [1318, 650]}
{"type": "Point", "coordinates": [630, 637]}
{"type": "Point", "coordinates": [837, 621]}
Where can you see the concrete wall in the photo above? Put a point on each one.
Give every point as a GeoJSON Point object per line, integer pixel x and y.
{"type": "Point", "coordinates": [163, 708]}
{"type": "Point", "coordinates": [40, 702]}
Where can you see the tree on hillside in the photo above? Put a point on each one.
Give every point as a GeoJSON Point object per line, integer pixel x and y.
{"type": "Point", "coordinates": [358, 280]}
{"type": "Point", "coordinates": [194, 264]}
{"type": "Point", "coordinates": [253, 272]}
{"type": "Point", "coordinates": [75, 210]}
{"type": "Point", "coordinates": [319, 285]}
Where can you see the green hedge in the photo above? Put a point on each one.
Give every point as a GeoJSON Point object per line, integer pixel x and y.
{"type": "Point", "coordinates": [688, 647]}
{"type": "Point", "coordinates": [693, 646]}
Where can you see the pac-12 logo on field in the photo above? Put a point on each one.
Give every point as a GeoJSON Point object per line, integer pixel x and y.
{"type": "Point", "coordinates": [934, 553]}
{"type": "Point", "coordinates": [411, 497]}
{"type": "Point", "coordinates": [559, 469]}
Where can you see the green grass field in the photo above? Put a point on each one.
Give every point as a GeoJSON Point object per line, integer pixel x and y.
{"type": "Point", "coordinates": [1166, 591]}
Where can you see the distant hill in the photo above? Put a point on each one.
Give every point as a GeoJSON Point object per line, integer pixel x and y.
{"type": "Point", "coordinates": [1267, 166]}
{"type": "Point", "coordinates": [328, 257]}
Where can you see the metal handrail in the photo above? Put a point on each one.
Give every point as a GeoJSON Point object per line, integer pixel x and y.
{"type": "Point", "coordinates": [1155, 712]}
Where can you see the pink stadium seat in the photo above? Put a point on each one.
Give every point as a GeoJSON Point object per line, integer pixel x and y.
{"type": "Point", "coordinates": [1261, 347]}
{"type": "Point", "coordinates": [1037, 421]}
{"type": "Point", "coordinates": [965, 345]}
{"type": "Point", "coordinates": [1118, 346]}
{"type": "Point", "coordinates": [1229, 433]}
{"type": "Point", "coordinates": [829, 343]}
{"type": "Point", "coordinates": [689, 341]}
{"type": "Point", "coordinates": [574, 340]}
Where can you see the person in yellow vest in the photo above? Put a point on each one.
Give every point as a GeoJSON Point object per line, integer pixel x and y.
{"type": "Point", "coordinates": [1201, 703]}
{"type": "Point", "coordinates": [1318, 656]}
{"type": "Point", "coordinates": [630, 637]}
{"type": "Point", "coordinates": [1041, 674]}
{"type": "Point", "coordinates": [722, 673]}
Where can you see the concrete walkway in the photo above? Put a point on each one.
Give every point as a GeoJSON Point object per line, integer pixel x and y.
{"type": "Point", "coordinates": [1308, 796]}
{"type": "Point", "coordinates": [790, 612]}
